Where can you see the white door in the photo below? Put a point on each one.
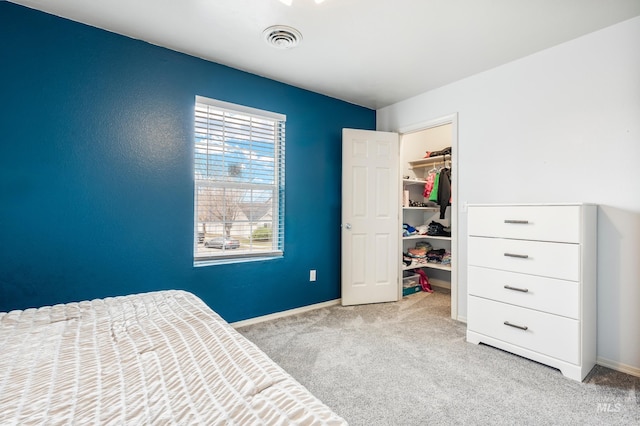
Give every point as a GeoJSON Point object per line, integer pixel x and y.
{"type": "Point", "coordinates": [370, 226]}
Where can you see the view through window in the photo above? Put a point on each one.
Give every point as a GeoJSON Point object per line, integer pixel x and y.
{"type": "Point", "coordinates": [239, 182]}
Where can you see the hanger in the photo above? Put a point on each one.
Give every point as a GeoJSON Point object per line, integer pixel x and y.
{"type": "Point", "coordinates": [444, 163]}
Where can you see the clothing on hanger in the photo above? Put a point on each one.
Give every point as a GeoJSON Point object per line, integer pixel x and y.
{"type": "Point", "coordinates": [428, 186]}
{"type": "Point", "coordinates": [444, 191]}
{"type": "Point", "coordinates": [434, 192]}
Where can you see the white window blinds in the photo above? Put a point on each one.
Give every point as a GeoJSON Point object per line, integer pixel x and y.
{"type": "Point", "coordinates": [239, 182]}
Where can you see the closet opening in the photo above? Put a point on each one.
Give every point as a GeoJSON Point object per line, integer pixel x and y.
{"type": "Point", "coordinates": [429, 218]}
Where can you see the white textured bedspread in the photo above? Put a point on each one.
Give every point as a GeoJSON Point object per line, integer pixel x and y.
{"type": "Point", "coordinates": [154, 358]}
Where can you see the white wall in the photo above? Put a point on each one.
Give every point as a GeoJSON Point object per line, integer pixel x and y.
{"type": "Point", "coordinates": [416, 144]}
{"type": "Point", "coordinates": [562, 125]}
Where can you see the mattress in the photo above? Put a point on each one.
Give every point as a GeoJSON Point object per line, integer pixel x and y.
{"type": "Point", "coordinates": [154, 358]}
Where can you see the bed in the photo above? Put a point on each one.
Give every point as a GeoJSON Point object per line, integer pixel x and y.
{"type": "Point", "coordinates": [154, 358]}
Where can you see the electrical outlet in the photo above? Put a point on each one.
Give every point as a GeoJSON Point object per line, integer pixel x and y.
{"type": "Point", "coordinates": [312, 275]}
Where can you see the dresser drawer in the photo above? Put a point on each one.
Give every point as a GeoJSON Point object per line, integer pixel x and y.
{"type": "Point", "coordinates": [543, 223]}
{"type": "Point", "coordinates": [548, 334]}
{"type": "Point", "coordinates": [554, 260]}
{"type": "Point", "coordinates": [550, 295]}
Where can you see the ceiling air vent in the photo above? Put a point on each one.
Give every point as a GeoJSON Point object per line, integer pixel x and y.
{"type": "Point", "coordinates": [282, 37]}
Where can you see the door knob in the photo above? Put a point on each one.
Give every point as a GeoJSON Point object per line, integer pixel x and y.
{"type": "Point", "coordinates": [347, 226]}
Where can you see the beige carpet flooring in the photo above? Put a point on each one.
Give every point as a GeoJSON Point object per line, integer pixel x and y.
{"type": "Point", "coordinates": [407, 363]}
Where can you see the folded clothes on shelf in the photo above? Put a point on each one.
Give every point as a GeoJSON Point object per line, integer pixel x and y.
{"type": "Point", "coordinates": [408, 230]}
{"type": "Point", "coordinates": [413, 203]}
{"type": "Point", "coordinates": [422, 229]}
{"type": "Point", "coordinates": [445, 151]}
{"type": "Point", "coordinates": [424, 245]}
{"type": "Point", "coordinates": [417, 252]}
{"type": "Point", "coordinates": [436, 229]}
{"type": "Point", "coordinates": [435, 255]}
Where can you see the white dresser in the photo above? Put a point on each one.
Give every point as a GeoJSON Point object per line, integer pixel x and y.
{"type": "Point", "coordinates": [532, 282]}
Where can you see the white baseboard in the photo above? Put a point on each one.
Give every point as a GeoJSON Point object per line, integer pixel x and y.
{"type": "Point", "coordinates": [282, 314]}
{"type": "Point", "coordinates": [440, 283]}
{"type": "Point", "coordinates": [618, 366]}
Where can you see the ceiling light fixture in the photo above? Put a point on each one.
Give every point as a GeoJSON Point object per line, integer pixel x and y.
{"type": "Point", "coordinates": [282, 36]}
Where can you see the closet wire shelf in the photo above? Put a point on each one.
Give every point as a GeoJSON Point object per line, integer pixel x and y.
{"type": "Point", "coordinates": [425, 162]}
{"type": "Point", "coordinates": [426, 265]}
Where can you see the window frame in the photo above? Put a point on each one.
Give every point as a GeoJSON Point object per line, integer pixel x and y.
{"type": "Point", "coordinates": [277, 187]}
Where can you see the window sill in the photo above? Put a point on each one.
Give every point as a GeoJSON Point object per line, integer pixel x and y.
{"type": "Point", "coordinates": [227, 261]}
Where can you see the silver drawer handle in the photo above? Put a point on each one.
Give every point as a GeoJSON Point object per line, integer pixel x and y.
{"type": "Point", "coordinates": [522, 222]}
{"type": "Point", "coordinates": [519, 256]}
{"type": "Point", "coordinates": [524, 290]}
{"type": "Point", "coordinates": [521, 327]}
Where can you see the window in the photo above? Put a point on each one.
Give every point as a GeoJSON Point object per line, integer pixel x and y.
{"type": "Point", "coordinates": [239, 182]}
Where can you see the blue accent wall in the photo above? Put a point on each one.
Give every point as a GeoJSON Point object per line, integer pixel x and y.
{"type": "Point", "coordinates": [96, 172]}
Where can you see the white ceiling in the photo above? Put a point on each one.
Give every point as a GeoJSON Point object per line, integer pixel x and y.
{"type": "Point", "coordinates": [368, 52]}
